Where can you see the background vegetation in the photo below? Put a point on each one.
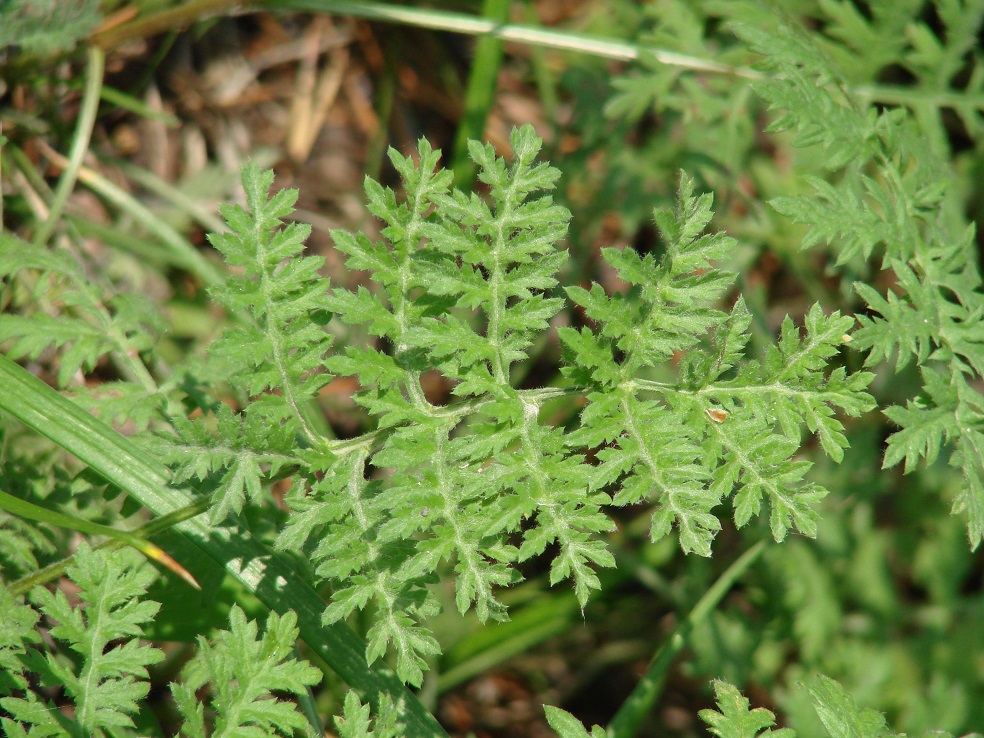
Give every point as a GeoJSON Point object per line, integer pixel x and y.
{"type": "Point", "coordinates": [842, 144]}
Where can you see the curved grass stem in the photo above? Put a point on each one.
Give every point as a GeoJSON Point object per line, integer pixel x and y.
{"type": "Point", "coordinates": [176, 249]}
{"type": "Point", "coordinates": [138, 538]}
{"type": "Point", "coordinates": [630, 715]}
{"type": "Point", "coordinates": [80, 143]}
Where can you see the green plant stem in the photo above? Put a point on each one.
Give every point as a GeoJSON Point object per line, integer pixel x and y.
{"type": "Point", "coordinates": [452, 413]}
{"type": "Point", "coordinates": [195, 209]}
{"type": "Point", "coordinates": [633, 711]}
{"type": "Point", "coordinates": [145, 531]}
{"type": "Point", "coordinates": [491, 646]}
{"type": "Point", "coordinates": [15, 158]}
{"type": "Point", "coordinates": [128, 102]}
{"type": "Point", "coordinates": [178, 251]}
{"type": "Point", "coordinates": [480, 92]}
{"type": "Point", "coordinates": [309, 704]}
{"type": "Point", "coordinates": [546, 82]}
{"type": "Point", "coordinates": [80, 143]}
{"type": "Point", "coordinates": [913, 96]}
{"type": "Point", "coordinates": [473, 26]}
{"type": "Point", "coordinates": [384, 99]}
{"type": "Point", "coordinates": [543, 38]}
{"type": "Point", "coordinates": [422, 18]}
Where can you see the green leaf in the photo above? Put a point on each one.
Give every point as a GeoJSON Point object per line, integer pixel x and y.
{"type": "Point", "coordinates": [841, 715]}
{"type": "Point", "coordinates": [46, 26]}
{"type": "Point", "coordinates": [242, 669]}
{"type": "Point", "coordinates": [16, 637]}
{"type": "Point", "coordinates": [568, 726]}
{"type": "Point", "coordinates": [276, 582]}
{"type": "Point", "coordinates": [92, 321]}
{"type": "Point", "coordinates": [734, 719]}
{"type": "Point", "coordinates": [355, 720]}
{"type": "Point", "coordinates": [109, 682]}
{"type": "Point", "coordinates": [667, 309]}
{"type": "Point", "coordinates": [280, 293]}
{"type": "Point", "coordinates": [243, 451]}
{"type": "Point", "coordinates": [890, 187]}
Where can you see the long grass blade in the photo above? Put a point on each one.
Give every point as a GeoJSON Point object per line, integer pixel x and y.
{"type": "Point", "coordinates": [640, 702]}
{"type": "Point", "coordinates": [80, 143]}
{"type": "Point", "coordinates": [29, 510]}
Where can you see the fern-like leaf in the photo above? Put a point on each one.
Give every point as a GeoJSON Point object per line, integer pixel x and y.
{"type": "Point", "coordinates": [463, 285]}
{"type": "Point", "coordinates": [90, 323]}
{"type": "Point", "coordinates": [887, 199]}
{"type": "Point", "coordinates": [734, 719]}
{"type": "Point", "coordinates": [709, 436]}
{"type": "Point", "coordinates": [16, 637]}
{"type": "Point", "coordinates": [355, 720]}
{"type": "Point", "coordinates": [243, 669]}
{"type": "Point", "coordinates": [241, 453]}
{"type": "Point", "coordinates": [110, 680]}
{"type": "Point", "coordinates": [284, 343]}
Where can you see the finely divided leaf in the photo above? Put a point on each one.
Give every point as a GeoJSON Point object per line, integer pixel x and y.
{"type": "Point", "coordinates": [734, 719]}
{"type": "Point", "coordinates": [280, 296]}
{"type": "Point", "coordinates": [243, 669]}
{"type": "Point", "coordinates": [109, 681]}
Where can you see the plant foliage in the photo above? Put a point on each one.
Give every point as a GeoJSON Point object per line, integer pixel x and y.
{"type": "Point", "coordinates": [887, 197]}
{"type": "Point", "coordinates": [356, 720]}
{"type": "Point", "coordinates": [736, 719]}
{"type": "Point", "coordinates": [242, 669]}
{"type": "Point", "coordinates": [675, 394]}
{"type": "Point", "coordinates": [104, 667]}
{"type": "Point", "coordinates": [46, 26]}
{"type": "Point", "coordinates": [465, 285]}
{"type": "Point", "coordinates": [103, 684]}
{"type": "Point", "coordinates": [840, 715]}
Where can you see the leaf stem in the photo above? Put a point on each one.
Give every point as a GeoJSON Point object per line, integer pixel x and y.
{"type": "Point", "coordinates": [453, 413]}
{"type": "Point", "coordinates": [542, 37]}
{"type": "Point", "coordinates": [166, 20]}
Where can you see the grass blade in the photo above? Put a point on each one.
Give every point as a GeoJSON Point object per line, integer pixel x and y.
{"type": "Point", "coordinates": [25, 509]}
{"type": "Point", "coordinates": [632, 712]}
{"type": "Point", "coordinates": [480, 93]}
{"type": "Point", "coordinates": [80, 143]}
